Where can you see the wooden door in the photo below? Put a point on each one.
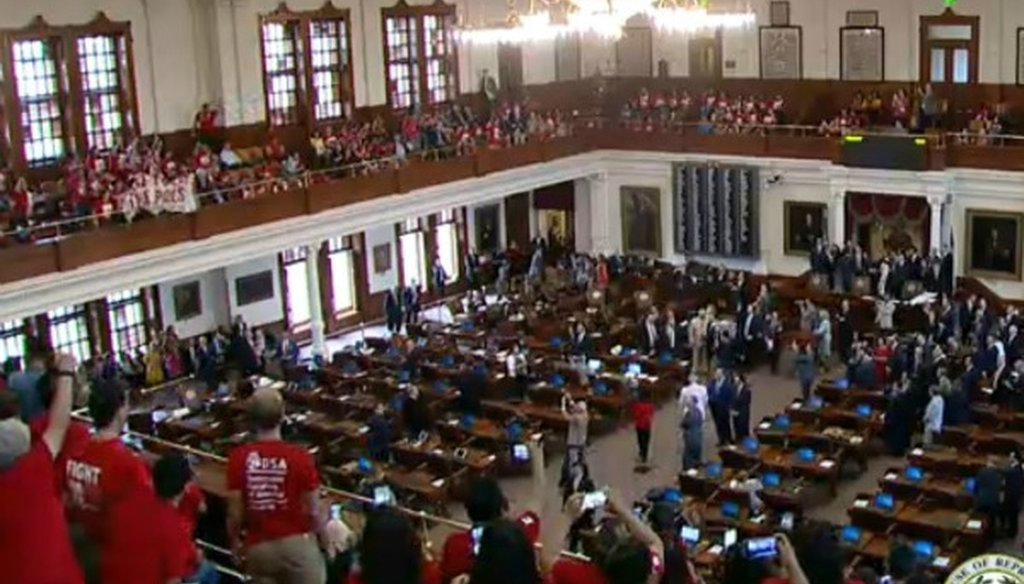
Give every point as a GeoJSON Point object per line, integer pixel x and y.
{"type": "Point", "coordinates": [517, 220]}
{"type": "Point", "coordinates": [706, 56]}
{"type": "Point", "coordinates": [634, 52]}
{"type": "Point", "coordinates": [510, 67]}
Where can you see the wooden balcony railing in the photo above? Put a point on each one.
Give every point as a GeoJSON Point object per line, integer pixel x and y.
{"type": "Point", "coordinates": [81, 248]}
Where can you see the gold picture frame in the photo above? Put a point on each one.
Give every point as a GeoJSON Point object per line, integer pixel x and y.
{"type": "Point", "coordinates": [993, 244]}
{"type": "Point", "coordinates": [641, 220]}
{"type": "Point", "coordinates": [796, 213]}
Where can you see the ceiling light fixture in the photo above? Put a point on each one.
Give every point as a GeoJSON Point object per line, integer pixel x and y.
{"type": "Point", "coordinates": [550, 19]}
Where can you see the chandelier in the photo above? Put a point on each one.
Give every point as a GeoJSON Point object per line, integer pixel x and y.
{"type": "Point", "coordinates": [550, 19]}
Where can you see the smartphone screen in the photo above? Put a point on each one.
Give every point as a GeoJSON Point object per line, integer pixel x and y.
{"type": "Point", "coordinates": [336, 511]}
{"type": "Point", "coordinates": [594, 500]}
{"type": "Point", "coordinates": [729, 539]}
{"type": "Point", "coordinates": [690, 535]}
{"type": "Point", "coordinates": [760, 548]}
{"type": "Point", "coordinates": [476, 533]}
{"type": "Point", "coordinates": [383, 495]}
{"type": "Point", "coordinates": [786, 522]}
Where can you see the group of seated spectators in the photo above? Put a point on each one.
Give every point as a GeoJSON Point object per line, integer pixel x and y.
{"type": "Point", "coordinates": [714, 112]}
{"type": "Point", "coordinates": [449, 130]}
{"type": "Point", "coordinates": [144, 178]}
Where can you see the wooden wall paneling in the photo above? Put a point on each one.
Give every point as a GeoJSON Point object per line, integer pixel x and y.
{"type": "Point", "coordinates": [23, 261]}
{"type": "Point", "coordinates": [111, 241]}
{"type": "Point", "coordinates": [489, 161]}
{"type": "Point", "coordinates": [338, 193]}
{"type": "Point", "coordinates": [517, 220]}
{"type": "Point", "coordinates": [216, 219]}
{"type": "Point", "coordinates": [324, 284]}
{"type": "Point", "coordinates": [100, 326]}
{"type": "Point", "coordinates": [419, 174]}
{"type": "Point", "coordinates": [429, 251]}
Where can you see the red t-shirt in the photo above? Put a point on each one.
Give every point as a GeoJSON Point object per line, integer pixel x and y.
{"type": "Point", "coordinates": [75, 440]}
{"type": "Point", "coordinates": [37, 547]}
{"type": "Point", "coordinates": [431, 574]}
{"type": "Point", "coordinates": [148, 543]}
{"type": "Point", "coordinates": [643, 415]}
{"type": "Point", "coordinates": [567, 571]}
{"type": "Point", "coordinates": [275, 479]}
{"type": "Point", "coordinates": [102, 473]}
{"type": "Point", "coordinates": [192, 502]}
{"type": "Point", "coordinates": [457, 558]}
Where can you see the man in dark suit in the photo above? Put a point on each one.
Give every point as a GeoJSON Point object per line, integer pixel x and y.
{"type": "Point", "coordinates": [750, 330]}
{"type": "Point", "coordinates": [740, 409]}
{"type": "Point", "coordinates": [720, 397]}
{"type": "Point", "coordinates": [649, 334]}
{"type": "Point", "coordinates": [946, 273]}
{"type": "Point", "coordinates": [393, 311]}
{"type": "Point", "coordinates": [844, 331]}
{"type": "Point", "coordinates": [1012, 344]}
{"type": "Point", "coordinates": [861, 370]}
{"type": "Point", "coordinates": [1013, 493]}
{"type": "Point", "coordinates": [472, 384]}
{"type": "Point", "coordinates": [411, 302]}
{"type": "Point", "coordinates": [989, 488]}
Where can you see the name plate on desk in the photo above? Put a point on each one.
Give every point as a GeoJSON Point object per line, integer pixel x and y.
{"type": "Point", "coordinates": [861, 503]}
{"type": "Point", "coordinates": [856, 439]}
{"type": "Point", "coordinates": [437, 484]}
{"type": "Point", "coordinates": [917, 452]}
{"type": "Point", "coordinates": [891, 476]}
{"type": "Point", "coordinates": [941, 562]}
{"type": "Point", "coordinates": [796, 405]}
{"type": "Point", "coordinates": [973, 524]}
{"type": "Point", "coordinates": [827, 463]}
{"type": "Point", "coordinates": [764, 425]}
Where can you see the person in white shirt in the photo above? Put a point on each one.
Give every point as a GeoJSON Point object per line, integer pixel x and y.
{"type": "Point", "coordinates": [933, 415]}
{"type": "Point", "coordinates": [884, 310]}
{"type": "Point", "coordinates": [698, 392]}
{"type": "Point", "coordinates": [515, 364]}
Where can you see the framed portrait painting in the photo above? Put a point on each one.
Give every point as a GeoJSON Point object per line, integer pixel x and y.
{"type": "Point", "coordinates": [994, 244]}
{"type": "Point", "coordinates": [381, 258]}
{"type": "Point", "coordinates": [641, 220]}
{"type": "Point", "coordinates": [862, 53]}
{"type": "Point", "coordinates": [781, 52]}
{"type": "Point", "coordinates": [187, 301]}
{"type": "Point", "coordinates": [803, 225]}
{"type": "Point", "coordinates": [1020, 56]}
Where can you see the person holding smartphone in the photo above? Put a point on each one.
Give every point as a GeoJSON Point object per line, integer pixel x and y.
{"type": "Point", "coordinates": [769, 560]}
{"type": "Point", "coordinates": [638, 558]}
{"type": "Point", "coordinates": [485, 505]}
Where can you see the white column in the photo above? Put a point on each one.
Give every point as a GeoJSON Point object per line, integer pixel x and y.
{"type": "Point", "coordinates": [316, 308]}
{"type": "Point", "coordinates": [837, 216]}
{"type": "Point", "coordinates": [935, 233]}
{"type": "Point", "coordinates": [600, 215]}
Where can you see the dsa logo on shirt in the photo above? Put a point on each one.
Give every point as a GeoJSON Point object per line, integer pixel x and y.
{"type": "Point", "coordinates": [255, 462]}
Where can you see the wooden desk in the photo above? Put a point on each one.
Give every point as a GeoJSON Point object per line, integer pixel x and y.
{"type": "Point", "coordinates": [941, 489]}
{"type": "Point", "coordinates": [824, 468]}
{"type": "Point", "coordinates": [950, 461]}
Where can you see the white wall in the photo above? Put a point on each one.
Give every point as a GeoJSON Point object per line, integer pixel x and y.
{"type": "Point", "coordinates": [213, 302]}
{"type": "Point", "coordinates": [191, 51]}
{"type": "Point", "coordinates": [384, 234]}
{"type": "Point", "coordinates": [258, 313]}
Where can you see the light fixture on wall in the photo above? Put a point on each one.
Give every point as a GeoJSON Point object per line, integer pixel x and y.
{"type": "Point", "coordinates": [547, 20]}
